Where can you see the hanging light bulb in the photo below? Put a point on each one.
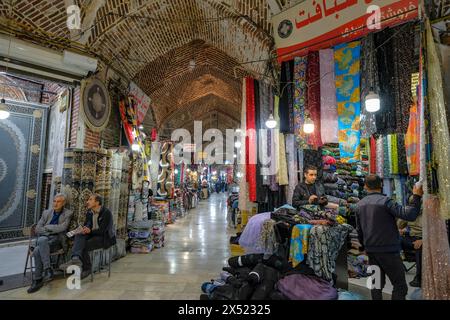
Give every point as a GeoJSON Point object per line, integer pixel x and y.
{"type": "Point", "coordinates": [271, 122]}
{"type": "Point", "coordinates": [238, 144]}
{"type": "Point", "coordinates": [308, 126]}
{"type": "Point", "coordinates": [4, 113]}
{"type": "Point", "coordinates": [372, 102]}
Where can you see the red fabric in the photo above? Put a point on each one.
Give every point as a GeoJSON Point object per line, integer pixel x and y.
{"type": "Point", "coordinates": [154, 134]}
{"type": "Point", "coordinates": [250, 139]}
{"type": "Point", "coordinates": [313, 101]}
{"type": "Point", "coordinates": [373, 155]}
{"type": "Point", "coordinates": [126, 126]}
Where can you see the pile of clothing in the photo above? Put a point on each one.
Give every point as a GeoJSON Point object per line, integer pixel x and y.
{"type": "Point", "coordinates": [158, 231]}
{"type": "Point", "coordinates": [159, 210]}
{"type": "Point", "coordinates": [254, 277]}
{"type": "Point", "coordinates": [140, 236]}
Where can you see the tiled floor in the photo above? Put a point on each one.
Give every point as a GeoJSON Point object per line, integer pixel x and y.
{"type": "Point", "coordinates": [196, 250]}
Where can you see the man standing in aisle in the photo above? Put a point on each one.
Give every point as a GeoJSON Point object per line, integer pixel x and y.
{"type": "Point", "coordinates": [98, 232]}
{"type": "Point", "coordinates": [51, 236]}
{"type": "Point", "coordinates": [378, 233]}
{"type": "Point", "coordinates": [309, 191]}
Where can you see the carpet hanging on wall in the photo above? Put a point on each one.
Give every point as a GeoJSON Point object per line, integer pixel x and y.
{"type": "Point", "coordinates": [300, 99]}
{"type": "Point", "coordinates": [313, 101]}
{"type": "Point", "coordinates": [328, 110]}
{"type": "Point", "coordinates": [250, 141]}
{"type": "Point", "coordinates": [347, 74]}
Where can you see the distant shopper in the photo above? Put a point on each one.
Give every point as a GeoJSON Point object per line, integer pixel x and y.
{"type": "Point", "coordinates": [50, 230]}
{"type": "Point", "coordinates": [411, 240]}
{"type": "Point", "coordinates": [378, 233]}
{"type": "Point", "coordinates": [98, 232]}
{"type": "Point", "coordinates": [309, 191]}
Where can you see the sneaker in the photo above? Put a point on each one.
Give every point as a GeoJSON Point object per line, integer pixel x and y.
{"type": "Point", "coordinates": [416, 282]}
{"type": "Point", "coordinates": [35, 286]}
{"type": "Point", "coordinates": [48, 275]}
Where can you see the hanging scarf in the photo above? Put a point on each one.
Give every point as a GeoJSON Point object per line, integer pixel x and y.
{"type": "Point", "coordinates": [282, 172]}
{"type": "Point", "coordinates": [369, 81]}
{"type": "Point", "coordinates": [380, 157]}
{"type": "Point", "coordinates": [439, 125]}
{"type": "Point", "coordinates": [328, 110]}
{"type": "Point", "coordinates": [412, 141]}
{"type": "Point", "coordinates": [264, 113]}
{"type": "Point", "coordinates": [373, 155]}
{"type": "Point", "coordinates": [313, 102]}
{"type": "Point", "coordinates": [347, 65]}
{"type": "Point", "coordinates": [401, 153]}
{"type": "Point", "coordinates": [300, 99]}
{"type": "Point", "coordinates": [243, 190]}
{"type": "Point", "coordinates": [286, 95]}
{"type": "Point", "coordinates": [393, 153]}
{"type": "Point", "coordinates": [250, 141]}
{"type": "Point", "coordinates": [292, 166]}
{"type": "Point", "coordinates": [260, 189]}
{"type": "Point", "coordinates": [276, 146]}
{"type": "Point", "coordinates": [386, 158]}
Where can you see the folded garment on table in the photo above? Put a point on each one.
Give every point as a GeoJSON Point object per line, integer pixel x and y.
{"type": "Point", "coordinates": [353, 200]}
{"type": "Point", "coordinates": [320, 222]}
{"type": "Point", "coordinates": [328, 160]}
{"type": "Point", "coordinates": [330, 186]}
{"type": "Point", "coordinates": [329, 177]}
{"type": "Point", "coordinates": [139, 234]}
{"type": "Point", "coordinates": [305, 287]}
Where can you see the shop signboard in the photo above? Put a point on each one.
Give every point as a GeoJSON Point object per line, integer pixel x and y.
{"type": "Point", "coordinates": [317, 24]}
{"type": "Point", "coordinates": [142, 102]}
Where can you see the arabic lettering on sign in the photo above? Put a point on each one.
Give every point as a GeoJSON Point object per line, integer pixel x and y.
{"type": "Point", "coordinates": [142, 102]}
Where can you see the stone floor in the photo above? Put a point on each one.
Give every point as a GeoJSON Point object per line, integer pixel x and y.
{"type": "Point", "coordinates": [196, 250]}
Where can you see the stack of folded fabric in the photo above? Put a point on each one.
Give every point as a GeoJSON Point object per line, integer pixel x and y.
{"type": "Point", "coordinates": [140, 236]}
{"type": "Point", "coordinates": [158, 234]}
{"type": "Point", "coordinates": [160, 210]}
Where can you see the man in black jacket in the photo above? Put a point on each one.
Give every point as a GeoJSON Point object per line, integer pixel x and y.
{"type": "Point", "coordinates": [98, 232]}
{"type": "Point", "coordinates": [309, 191]}
{"type": "Point", "coordinates": [378, 233]}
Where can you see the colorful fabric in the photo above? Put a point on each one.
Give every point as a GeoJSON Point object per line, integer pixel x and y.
{"type": "Point", "coordinates": [386, 158]}
{"type": "Point", "coordinates": [313, 101]}
{"type": "Point", "coordinates": [380, 157]}
{"type": "Point", "coordinates": [373, 155]}
{"type": "Point", "coordinates": [412, 140]}
{"type": "Point", "coordinates": [282, 171]}
{"type": "Point", "coordinates": [292, 166]}
{"type": "Point", "coordinates": [243, 189]}
{"type": "Point", "coordinates": [328, 110]}
{"type": "Point", "coordinates": [299, 243]}
{"type": "Point", "coordinates": [401, 153]}
{"type": "Point", "coordinates": [250, 140]}
{"type": "Point", "coordinates": [347, 70]}
{"type": "Point", "coordinates": [300, 100]}
{"type": "Point", "coordinates": [394, 154]}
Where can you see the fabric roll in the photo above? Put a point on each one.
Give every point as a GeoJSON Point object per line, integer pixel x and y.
{"type": "Point", "coordinates": [436, 253]}
{"type": "Point", "coordinates": [300, 101]}
{"type": "Point", "coordinates": [347, 70]}
{"type": "Point", "coordinates": [286, 94]}
{"type": "Point", "coordinates": [439, 125]}
{"type": "Point", "coordinates": [328, 109]}
{"type": "Point", "coordinates": [380, 157]}
{"type": "Point", "coordinates": [282, 173]}
{"type": "Point", "coordinates": [291, 153]}
{"type": "Point", "coordinates": [313, 101]}
{"type": "Point", "coordinates": [373, 155]}
{"type": "Point", "coordinates": [369, 82]}
{"type": "Point", "coordinates": [412, 141]}
{"type": "Point", "coordinates": [250, 141]}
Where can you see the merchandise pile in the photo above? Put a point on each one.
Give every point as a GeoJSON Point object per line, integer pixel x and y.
{"type": "Point", "coordinates": [141, 236]}
{"type": "Point", "coordinates": [158, 231]}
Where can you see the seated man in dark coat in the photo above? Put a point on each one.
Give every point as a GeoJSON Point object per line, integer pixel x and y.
{"type": "Point", "coordinates": [98, 232]}
{"type": "Point", "coordinates": [309, 191]}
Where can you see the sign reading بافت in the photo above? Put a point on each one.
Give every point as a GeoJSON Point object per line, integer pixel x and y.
{"type": "Point", "coordinates": [142, 102]}
{"type": "Point", "coordinates": [317, 24]}
{"type": "Point", "coordinates": [96, 105]}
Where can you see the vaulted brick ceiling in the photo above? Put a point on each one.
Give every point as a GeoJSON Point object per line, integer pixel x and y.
{"type": "Point", "coordinates": [153, 41]}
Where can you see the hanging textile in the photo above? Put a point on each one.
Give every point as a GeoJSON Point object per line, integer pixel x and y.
{"type": "Point", "coordinates": [282, 172]}
{"type": "Point", "coordinates": [250, 141]}
{"type": "Point", "coordinates": [399, 190]}
{"type": "Point", "coordinates": [386, 158]}
{"type": "Point", "coordinates": [373, 155]}
{"type": "Point", "coordinates": [313, 101]}
{"type": "Point", "coordinates": [300, 99]}
{"type": "Point", "coordinates": [259, 101]}
{"type": "Point", "coordinates": [299, 243]}
{"type": "Point", "coordinates": [369, 82]}
{"type": "Point", "coordinates": [439, 125]}
{"type": "Point", "coordinates": [328, 110]}
{"type": "Point", "coordinates": [347, 65]}
{"type": "Point", "coordinates": [380, 157]}
{"type": "Point", "coordinates": [436, 252]}
{"type": "Point", "coordinates": [401, 154]}
{"type": "Point", "coordinates": [292, 166]}
{"type": "Point", "coordinates": [393, 153]}
{"type": "Point", "coordinates": [412, 140]}
{"type": "Point", "coordinates": [275, 140]}
{"type": "Point", "coordinates": [387, 187]}
{"type": "Point", "coordinates": [286, 95]}
{"type": "Point", "coordinates": [264, 113]}
{"type": "Point", "coordinates": [243, 190]}
{"type": "Point", "coordinates": [290, 93]}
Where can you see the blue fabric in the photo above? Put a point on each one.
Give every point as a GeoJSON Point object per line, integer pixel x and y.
{"type": "Point", "coordinates": [55, 218]}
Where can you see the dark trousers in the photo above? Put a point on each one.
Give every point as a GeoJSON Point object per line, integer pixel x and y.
{"type": "Point", "coordinates": [41, 253]}
{"type": "Point", "coordinates": [390, 264]}
{"type": "Point", "coordinates": [83, 244]}
{"type": "Point", "coordinates": [407, 245]}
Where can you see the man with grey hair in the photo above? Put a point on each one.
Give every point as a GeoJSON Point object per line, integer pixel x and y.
{"type": "Point", "coordinates": [50, 230]}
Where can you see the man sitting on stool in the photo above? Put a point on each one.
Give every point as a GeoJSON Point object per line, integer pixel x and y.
{"type": "Point", "coordinates": [97, 233]}
{"type": "Point", "coordinates": [51, 230]}
{"type": "Point", "coordinates": [412, 241]}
